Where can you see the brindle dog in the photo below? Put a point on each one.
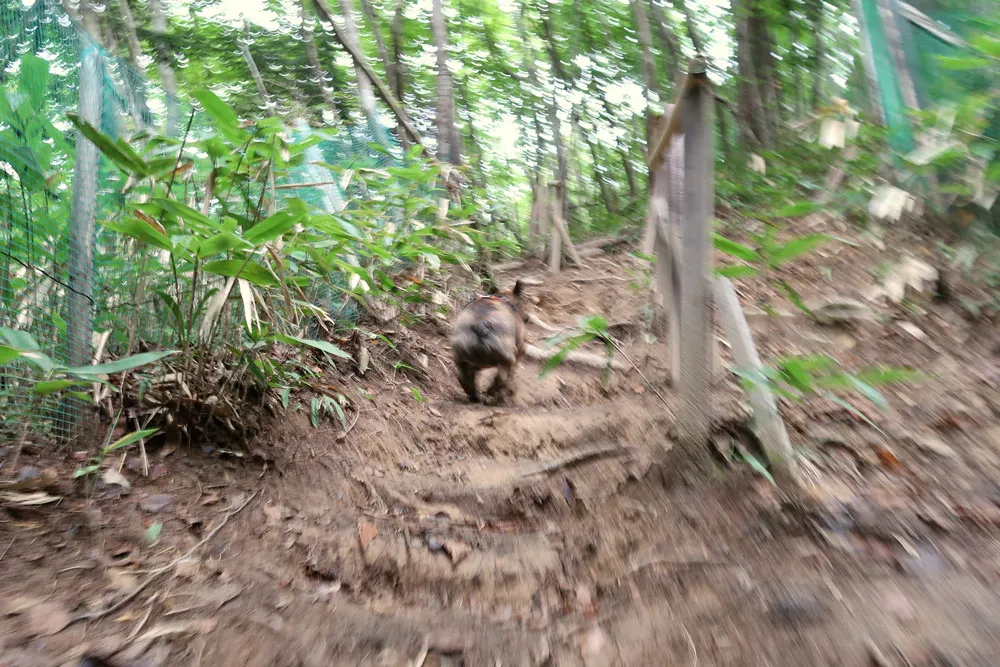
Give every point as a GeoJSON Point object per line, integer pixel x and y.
{"type": "Point", "coordinates": [490, 333]}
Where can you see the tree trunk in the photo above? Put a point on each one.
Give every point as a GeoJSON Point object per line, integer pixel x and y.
{"type": "Point", "coordinates": [312, 56]}
{"type": "Point", "coordinates": [164, 59]}
{"type": "Point", "coordinates": [255, 73]}
{"type": "Point", "coordinates": [398, 71]}
{"type": "Point", "coordinates": [475, 150]}
{"type": "Point", "coordinates": [135, 79]}
{"type": "Point", "coordinates": [449, 148]}
{"type": "Point", "coordinates": [648, 65]}
{"type": "Point", "coordinates": [754, 129]}
{"type": "Point", "coordinates": [670, 49]}
{"type": "Point", "coordinates": [816, 64]}
{"type": "Point", "coordinates": [365, 94]}
{"type": "Point", "coordinates": [765, 67]}
{"type": "Point", "coordinates": [606, 194]}
{"type": "Point", "coordinates": [360, 63]}
{"type": "Point", "coordinates": [683, 7]}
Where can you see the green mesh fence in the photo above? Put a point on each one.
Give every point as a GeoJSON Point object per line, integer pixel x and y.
{"type": "Point", "coordinates": [60, 296]}
{"type": "Point", "coordinates": [923, 47]}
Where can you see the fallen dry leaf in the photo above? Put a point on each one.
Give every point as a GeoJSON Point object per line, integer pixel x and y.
{"type": "Point", "coordinates": [456, 550]}
{"type": "Point", "coordinates": [122, 580]}
{"type": "Point", "coordinates": [201, 626]}
{"type": "Point", "coordinates": [47, 618]}
{"type": "Point", "coordinates": [366, 533]}
{"type": "Point", "coordinates": [29, 499]}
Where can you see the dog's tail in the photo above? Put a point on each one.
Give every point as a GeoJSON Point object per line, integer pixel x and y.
{"type": "Point", "coordinates": [483, 328]}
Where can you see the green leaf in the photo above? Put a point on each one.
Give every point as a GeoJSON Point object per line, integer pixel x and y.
{"type": "Point", "coordinates": [285, 395]}
{"type": "Point", "coordinates": [737, 271]}
{"type": "Point", "coordinates": [794, 297]}
{"type": "Point", "coordinates": [86, 470]}
{"type": "Point", "coordinates": [871, 393]}
{"type": "Point", "coordinates": [223, 117]}
{"type": "Point", "coordinates": [8, 354]}
{"type": "Point", "coordinates": [759, 467]}
{"type": "Point", "coordinates": [250, 271]}
{"type": "Point", "coordinates": [993, 172]}
{"type": "Point", "coordinates": [416, 394]}
{"type": "Point", "coordinates": [119, 152]}
{"type": "Point", "coordinates": [988, 44]}
{"type": "Point", "coordinates": [568, 346]}
{"type": "Point", "coordinates": [129, 439]}
{"type": "Point", "coordinates": [188, 214]}
{"type": "Point", "coordinates": [47, 387]}
{"type": "Point", "coordinates": [140, 230]}
{"type": "Point", "coordinates": [153, 532]}
{"type": "Point", "coordinates": [34, 80]}
{"type": "Point", "coordinates": [21, 340]}
{"type": "Point", "coordinates": [126, 364]}
{"type": "Point", "coordinates": [314, 412]}
{"type": "Point", "coordinates": [735, 249]}
{"type": "Point", "coordinates": [271, 228]}
{"type": "Point", "coordinates": [797, 210]}
{"type": "Point", "coordinates": [222, 243]}
{"type": "Point", "coordinates": [884, 375]}
{"type": "Point", "coordinates": [321, 345]}
{"type": "Point", "coordinates": [963, 63]}
{"type": "Point", "coordinates": [797, 247]}
{"type": "Point", "coordinates": [180, 323]}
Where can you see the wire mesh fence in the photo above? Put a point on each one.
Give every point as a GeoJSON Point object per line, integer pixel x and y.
{"type": "Point", "coordinates": [65, 278]}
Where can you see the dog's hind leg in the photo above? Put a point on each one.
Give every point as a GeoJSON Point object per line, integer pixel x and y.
{"type": "Point", "coordinates": [467, 378]}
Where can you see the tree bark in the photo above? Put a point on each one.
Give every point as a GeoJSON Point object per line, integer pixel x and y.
{"type": "Point", "coordinates": [670, 49]}
{"type": "Point", "coordinates": [754, 129]}
{"type": "Point", "coordinates": [135, 79]}
{"type": "Point", "coordinates": [312, 56]}
{"type": "Point", "coordinates": [606, 194]}
{"type": "Point", "coordinates": [648, 64]}
{"type": "Point", "coordinates": [396, 77]}
{"type": "Point", "coordinates": [365, 94]}
{"type": "Point", "coordinates": [816, 60]}
{"type": "Point", "coordinates": [360, 62]}
{"type": "Point", "coordinates": [696, 40]}
{"type": "Point", "coordinates": [449, 146]}
{"type": "Point", "coordinates": [164, 59]}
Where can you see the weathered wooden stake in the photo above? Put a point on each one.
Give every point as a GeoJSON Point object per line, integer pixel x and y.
{"type": "Point", "coordinates": [768, 424]}
{"type": "Point", "coordinates": [693, 418]}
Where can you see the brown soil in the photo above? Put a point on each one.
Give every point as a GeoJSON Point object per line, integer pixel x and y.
{"type": "Point", "coordinates": [565, 529]}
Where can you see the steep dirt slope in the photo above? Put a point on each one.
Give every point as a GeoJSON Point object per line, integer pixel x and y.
{"type": "Point", "coordinates": [563, 529]}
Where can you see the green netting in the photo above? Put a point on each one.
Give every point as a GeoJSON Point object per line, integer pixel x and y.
{"type": "Point", "coordinates": [934, 84]}
{"type": "Point", "coordinates": [41, 53]}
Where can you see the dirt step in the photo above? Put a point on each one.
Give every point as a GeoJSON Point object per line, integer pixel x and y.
{"type": "Point", "coordinates": [495, 574]}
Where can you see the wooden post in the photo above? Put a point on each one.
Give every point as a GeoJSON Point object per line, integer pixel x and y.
{"type": "Point", "coordinates": [693, 418]}
{"type": "Point", "coordinates": [675, 209]}
{"type": "Point", "coordinates": [768, 424]}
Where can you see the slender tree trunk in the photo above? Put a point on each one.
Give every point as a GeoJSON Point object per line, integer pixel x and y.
{"type": "Point", "coordinates": [684, 8]}
{"type": "Point", "coordinates": [754, 129]}
{"type": "Point", "coordinates": [365, 93]}
{"type": "Point", "coordinates": [135, 79]}
{"type": "Point", "coordinates": [816, 60]}
{"type": "Point", "coordinates": [164, 59]}
{"type": "Point", "coordinates": [633, 186]}
{"type": "Point", "coordinates": [765, 67]}
{"type": "Point", "coordinates": [396, 76]}
{"type": "Point", "coordinates": [606, 194]}
{"type": "Point", "coordinates": [475, 151]}
{"type": "Point", "coordinates": [670, 48]}
{"type": "Point", "coordinates": [648, 64]}
{"type": "Point", "coordinates": [255, 73]}
{"type": "Point", "coordinates": [449, 149]}
{"type": "Point", "coordinates": [312, 56]}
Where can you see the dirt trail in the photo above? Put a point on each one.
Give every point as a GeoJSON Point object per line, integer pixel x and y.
{"type": "Point", "coordinates": [560, 530]}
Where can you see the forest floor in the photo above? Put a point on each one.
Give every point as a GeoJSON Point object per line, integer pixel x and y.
{"type": "Point", "coordinates": [563, 529]}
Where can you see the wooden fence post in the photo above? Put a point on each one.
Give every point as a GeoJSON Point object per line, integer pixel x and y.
{"type": "Point", "coordinates": [696, 332]}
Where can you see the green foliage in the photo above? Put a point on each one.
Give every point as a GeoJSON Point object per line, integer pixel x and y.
{"type": "Point", "coordinates": [590, 329]}
{"type": "Point", "coordinates": [962, 138]}
{"type": "Point", "coordinates": [803, 377]}
{"type": "Point", "coordinates": [123, 442]}
{"type": "Point", "coordinates": [768, 257]}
